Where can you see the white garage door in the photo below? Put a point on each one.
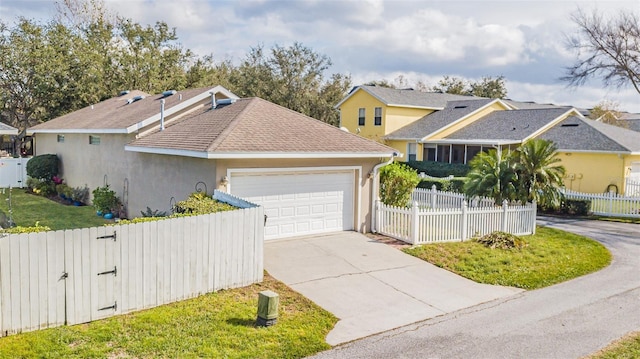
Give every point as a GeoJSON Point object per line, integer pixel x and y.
{"type": "Point", "coordinates": [299, 203]}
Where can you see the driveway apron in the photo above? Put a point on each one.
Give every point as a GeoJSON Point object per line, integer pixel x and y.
{"type": "Point", "coordinates": [370, 286]}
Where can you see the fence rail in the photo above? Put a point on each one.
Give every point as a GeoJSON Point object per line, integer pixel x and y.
{"type": "Point", "coordinates": [75, 276]}
{"type": "Point", "coordinates": [608, 204]}
{"type": "Point", "coordinates": [439, 199]}
{"type": "Point", "coordinates": [419, 225]}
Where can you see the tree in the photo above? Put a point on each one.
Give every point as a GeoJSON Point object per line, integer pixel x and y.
{"type": "Point", "coordinates": [605, 48]}
{"type": "Point", "coordinates": [607, 112]}
{"type": "Point", "coordinates": [397, 182]}
{"type": "Point", "coordinates": [487, 87]}
{"type": "Point", "coordinates": [493, 174]}
{"type": "Point", "coordinates": [539, 172]}
{"type": "Point", "coordinates": [292, 77]}
{"type": "Point", "coordinates": [452, 85]}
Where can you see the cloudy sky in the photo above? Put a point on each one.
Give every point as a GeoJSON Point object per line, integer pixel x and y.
{"type": "Point", "coordinates": [422, 40]}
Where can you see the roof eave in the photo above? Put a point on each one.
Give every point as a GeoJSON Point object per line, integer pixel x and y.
{"type": "Point", "coordinates": [79, 130]}
{"type": "Point", "coordinates": [500, 142]}
{"type": "Point", "coordinates": [256, 155]}
{"type": "Point", "coordinates": [598, 151]}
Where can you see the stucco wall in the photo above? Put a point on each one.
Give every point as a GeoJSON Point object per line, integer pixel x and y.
{"type": "Point", "coordinates": [592, 172]}
{"type": "Point", "coordinates": [364, 210]}
{"type": "Point", "coordinates": [152, 179]}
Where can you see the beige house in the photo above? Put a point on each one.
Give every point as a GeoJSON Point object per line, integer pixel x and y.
{"type": "Point", "coordinates": [155, 149]}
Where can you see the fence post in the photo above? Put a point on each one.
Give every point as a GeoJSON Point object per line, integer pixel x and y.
{"type": "Point", "coordinates": [504, 215]}
{"type": "Point", "coordinates": [535, 214]}
{"type": "Point", "coordinates": [415, 225]}
{"type": "Point", "coordinates": [377, 217]}
{"type": "Point", "coordinates": [433, 196]}
{"type": "Point", "coordinates": [465, 224]}
{"type": "Point", "coordinates": [610, 195]}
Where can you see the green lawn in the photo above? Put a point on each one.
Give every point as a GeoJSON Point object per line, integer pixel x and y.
{"type": "Point", "coordinates": [551, 256]}
{"type": "Point", "coordinates": [217, 325]}
{"type": "Point", "coordinates": [29, 209]}
{"type": "Point", "coordinates": [627, 347]}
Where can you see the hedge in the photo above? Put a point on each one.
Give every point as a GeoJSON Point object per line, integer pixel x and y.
{"type": "Point", "coordinates": [440, 169]}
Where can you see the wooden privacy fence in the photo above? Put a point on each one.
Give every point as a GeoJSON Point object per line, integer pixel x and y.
{"type": "Point", "coordinates": [439, 199]}
{"type": "Point", "coordinates": [68, 277]}
{"type": "Point", "coordinates": [608, 204]}
{"type": "Point", "coordinates": [419, 225]}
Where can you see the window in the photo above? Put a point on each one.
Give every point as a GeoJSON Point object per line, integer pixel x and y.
{"type": "Point", "coordinates": [443, 153]}
{"type": "Point", "coordinates": [377, 120]}
{"type": "Point", "coordinates": [472, 151]}
{"type": "Point", "coordinates": [60, 138]}
{"type": "Point", "coordinates": [361, 114]}
{"type": "Point", "coordinates": [411, 151]}
{"type": "Point", "coordinates": [429, 153]}
{"type": "Point", "coordinates": [457, 154]}
{"type": "Point", "coordinates": [94, 140]}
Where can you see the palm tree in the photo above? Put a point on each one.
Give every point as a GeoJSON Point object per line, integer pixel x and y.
{"type": "Point", "coordinates": [493, 174]}
{"type": "Point", "coordinates": [539, 172]}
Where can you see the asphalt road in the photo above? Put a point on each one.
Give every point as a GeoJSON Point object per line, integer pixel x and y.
{"type": "Point", "coordinates": [567, 320]}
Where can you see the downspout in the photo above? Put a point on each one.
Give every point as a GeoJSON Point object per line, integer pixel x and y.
{"type": "Point", "coordinates": [374, 189]}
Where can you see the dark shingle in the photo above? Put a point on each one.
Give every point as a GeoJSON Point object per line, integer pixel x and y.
{"type": "Point", "coordinates": [413, 98]}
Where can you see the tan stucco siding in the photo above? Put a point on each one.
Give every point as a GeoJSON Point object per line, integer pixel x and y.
{"type": "Point", "coordinates": [592, 172]}
{"type": "Point", "coordinates": [401, 147]}
{"type": "Point", "coordinates": [152, 179]}
{"type": "Point", "coordinates": [459, 125]}
{"type": "Point", "coordinates": [362, 210]}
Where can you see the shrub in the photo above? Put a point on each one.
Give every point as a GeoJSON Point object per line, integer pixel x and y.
{"type": "Point", "coordinates": [43, 167]}
{"type": "Point", "coordinates": [451, 185]}
{"type": "Point", "coordinates": [80, 194]}
{"type": "Point", "coordinates": [501, 240]}
{"type": "Point", "coordinates": [440, 169]}
{"type": "Point", "coordinates": [200, 203]}
{"type": "Point", "coordinates": [41, 187]}
{"type": "Point", "coordinates": [20, 229]}
{"type": "Point", "coordinates": [153, 213]}
{"type": "Point", "coordinates": [105, 199]}
{"type": "Point", "coordinates": [64, 191]}
{"type": "Point", "coordinates": [577, 207]}
{"type": "Point", "coordinates": [397, 181]}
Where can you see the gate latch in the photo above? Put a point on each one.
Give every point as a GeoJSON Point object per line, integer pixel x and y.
{"type": "Point", "coordinates": [114, 271]}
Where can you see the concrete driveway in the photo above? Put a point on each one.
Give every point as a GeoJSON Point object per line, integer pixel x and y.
{"type": "Point", "coordinates": [371, 286]}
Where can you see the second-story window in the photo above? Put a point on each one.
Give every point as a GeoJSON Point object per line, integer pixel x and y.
{"type": "Point", "coordinates": [361, 117]}
{"type": "Point", "coordinates": [60, 138]}
{"type": "Point", "coordinates": [377, 120]}
{"type": "Point", "coordinates": [94, 140]}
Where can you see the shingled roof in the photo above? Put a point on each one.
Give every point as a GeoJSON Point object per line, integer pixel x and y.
{"type": "Point", "coordinates": [454, 110]}
{"type": "Point", "coordinates": [509, 125]}
{"type": "Point", "coordinates": [408, 97]}
{"type": "Point", "coordinates": [121, 114]}
{"type": "Point", "coordinates": [257, 128]}
{"type": "Point", "coordinates": [578, 134]}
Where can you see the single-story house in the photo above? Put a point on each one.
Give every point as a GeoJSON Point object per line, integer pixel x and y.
{"type": "Point", "coordinates": [310, 177]}
{"type": "Point", "coordinates": [598, 157]}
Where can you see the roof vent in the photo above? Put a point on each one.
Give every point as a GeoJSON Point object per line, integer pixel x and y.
{"type": "Point", "coordinates": [122, 93]}
{"type": "Point", "coordinates": [569, 125]}
{"type": "Point", "coordinates": [137, 98]}
{"type": "Point", "coordinates": [461, 106]}
{"type": "Point", "coordinates": [225, 101]}
{"type": "Point", "coordinates": [169, 93]}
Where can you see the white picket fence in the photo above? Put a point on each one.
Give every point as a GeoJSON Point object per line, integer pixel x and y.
{"type": "Point", "coordinates": [632, 187]}
{"type": "Point", "coordinates": [67, 277]}
{"type": "Point", "coordinates": [419, 224]}
{"type": "Point", "coordinates": [439, 199]}
{"type": "Point", "coordinates": [608, 204]}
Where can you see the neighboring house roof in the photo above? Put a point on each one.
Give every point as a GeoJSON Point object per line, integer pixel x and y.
{"type": "Point", "coordinates": [513, 125]}
{"type": "Point", "coordinates": [407, 97]}
{"type": "Point", "coordinates": [630, 121]}
{"type": "Point", "coordinates": [529, 105]}
{"type": "Point", "coordinates": [453, 111]}
{"type": "Point", "coordinates": [7, 130]}
{"type": "Point", "coordinates": [123, 115]}
{"type": "Point", "coordinates": [576, 134]}
{"type": "Point", "coordinates": [255, 128]}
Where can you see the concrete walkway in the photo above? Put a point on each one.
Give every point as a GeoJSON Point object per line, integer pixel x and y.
{"type": "Point", "coordinates": [371, 286]}
{"type": "Point", "coordinates": [568, 320]}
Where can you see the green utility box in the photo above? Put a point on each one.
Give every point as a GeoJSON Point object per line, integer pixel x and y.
{"type": "Point", "coordinates": [267, 308]}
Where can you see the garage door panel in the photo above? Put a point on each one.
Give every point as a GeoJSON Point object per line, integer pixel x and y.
{"type": "Point", "coordinates": [300, 203]}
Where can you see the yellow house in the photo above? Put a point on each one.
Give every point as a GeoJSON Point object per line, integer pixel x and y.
{"type": "Point", "coordinates": [597, 157]}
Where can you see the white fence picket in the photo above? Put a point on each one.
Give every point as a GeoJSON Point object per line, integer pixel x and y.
{"type": "Point", "coordinates": [443, 217]}
{"type": "Point", "coordinates": [157, 263]}
{"type": "Point", "coordinates": [608, 204]}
